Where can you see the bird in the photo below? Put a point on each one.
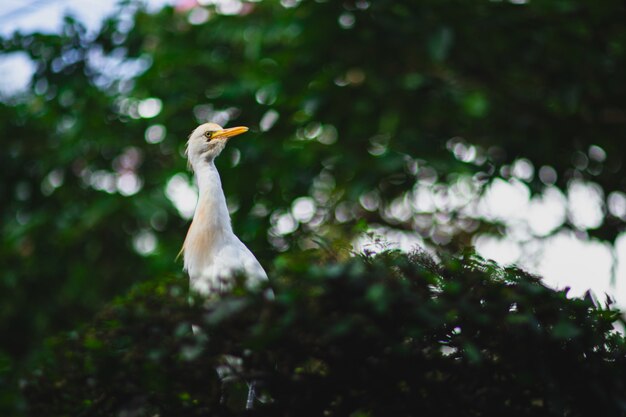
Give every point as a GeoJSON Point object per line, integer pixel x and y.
{"type": "Point", "coordinates": [212, 254]}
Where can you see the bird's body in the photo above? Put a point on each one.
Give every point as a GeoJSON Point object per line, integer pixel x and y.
{"type": "Point", "coordinates": [213, 254]}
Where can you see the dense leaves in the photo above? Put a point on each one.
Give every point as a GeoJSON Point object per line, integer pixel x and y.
{"type": "Point", "coordinates": [372, 336]}
{"type": "Point", "coordinates": [361, 111]}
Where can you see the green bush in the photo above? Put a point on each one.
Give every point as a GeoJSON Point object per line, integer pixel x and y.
{"type": "Point", "coordinates": [384, 335]}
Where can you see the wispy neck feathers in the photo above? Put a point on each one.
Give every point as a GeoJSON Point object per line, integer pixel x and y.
{"type": "Point", "coordinates": [211, 220]}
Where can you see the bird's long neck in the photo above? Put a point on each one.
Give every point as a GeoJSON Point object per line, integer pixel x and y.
{"type": "Point", "coordinates": [211, 212]}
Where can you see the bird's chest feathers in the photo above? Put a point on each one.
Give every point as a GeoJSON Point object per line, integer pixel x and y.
{"type": "Point", "coordinates": [207, 233]}
{"type": "Point", "coordinates": [211, 249]}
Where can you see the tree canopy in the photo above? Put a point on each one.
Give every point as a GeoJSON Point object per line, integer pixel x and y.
{"type": "Point", "coordinates": [358, 109]}
{"type": "Point", "coordinates": [374, 336]}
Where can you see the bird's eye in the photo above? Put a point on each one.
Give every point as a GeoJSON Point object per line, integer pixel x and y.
{"type": "Point", "coordinates": [208, 135]}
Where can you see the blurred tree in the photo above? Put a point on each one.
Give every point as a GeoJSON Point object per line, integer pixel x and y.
{"type": "Point", "coordinates": [361, 109]}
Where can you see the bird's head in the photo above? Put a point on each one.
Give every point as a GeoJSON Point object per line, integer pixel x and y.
{"type": "Point", "coordinates": [208, 140]}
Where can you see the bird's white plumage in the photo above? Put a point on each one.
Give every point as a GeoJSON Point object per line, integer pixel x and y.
{"type": "Point", "coordinates": [213, 254]}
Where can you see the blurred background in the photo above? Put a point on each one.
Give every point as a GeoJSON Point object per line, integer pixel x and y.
{"type": "Point", "coordinates": [439, 123]}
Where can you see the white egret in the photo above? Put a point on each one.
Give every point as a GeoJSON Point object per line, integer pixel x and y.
{"type": "Point", "coordinates": [213, 254]}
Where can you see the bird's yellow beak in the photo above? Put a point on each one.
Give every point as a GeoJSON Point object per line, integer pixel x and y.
{"type": "Point", "coordinates": [230, 132]}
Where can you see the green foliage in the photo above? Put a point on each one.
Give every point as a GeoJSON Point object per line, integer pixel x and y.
{"type": "Point", "coordinates": [374, 100]}
{"type": "Point", "coordinates": [371, 336]}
